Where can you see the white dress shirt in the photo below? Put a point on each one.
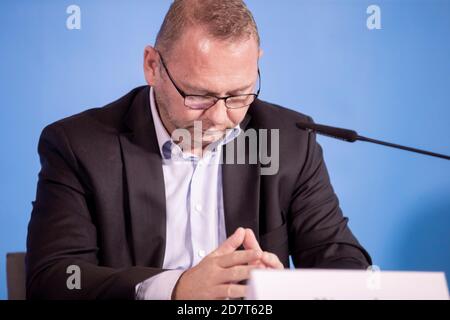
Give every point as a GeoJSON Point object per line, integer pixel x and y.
{"type": "Point", "coordinates": [195, 224]}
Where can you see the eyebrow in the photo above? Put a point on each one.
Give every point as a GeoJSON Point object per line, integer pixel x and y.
{"type": "Point", "coordinates": [208, 92]}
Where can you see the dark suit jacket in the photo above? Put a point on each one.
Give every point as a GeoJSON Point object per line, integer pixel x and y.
{"type": "Point", "coordinates": [100, 201]}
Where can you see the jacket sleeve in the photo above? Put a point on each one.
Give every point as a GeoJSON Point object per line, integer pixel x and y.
{"type": "Point", "coordinates": [62, 233]}
{"type": "Point", "coordinates": [318, 231]}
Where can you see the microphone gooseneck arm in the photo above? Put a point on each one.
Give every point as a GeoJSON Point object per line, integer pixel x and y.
{"type": "Point", "coordinates": [352, 136]}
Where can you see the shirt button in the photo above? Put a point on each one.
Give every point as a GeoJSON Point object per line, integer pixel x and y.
{"type": "Point", "coordinates": [201, 253]}
{"type": "Point", "coordinates": [198, 208]}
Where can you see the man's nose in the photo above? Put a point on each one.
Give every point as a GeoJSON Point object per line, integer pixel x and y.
{"type": "Point", "coordinates": [218, 113]}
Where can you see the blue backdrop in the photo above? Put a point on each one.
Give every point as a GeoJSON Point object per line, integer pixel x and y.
{"type": "Point", "coordinates": [320, 58]}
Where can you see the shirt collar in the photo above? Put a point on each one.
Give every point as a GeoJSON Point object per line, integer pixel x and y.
{"type": "Point", "coordinates": [165, 142]}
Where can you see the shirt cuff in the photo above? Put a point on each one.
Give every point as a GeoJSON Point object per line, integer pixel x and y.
{"type": "Point", "coordinates": [158, 287]}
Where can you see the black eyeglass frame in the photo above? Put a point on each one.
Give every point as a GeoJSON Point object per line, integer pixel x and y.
{"type": "Point", "coordinates": [185, 95]}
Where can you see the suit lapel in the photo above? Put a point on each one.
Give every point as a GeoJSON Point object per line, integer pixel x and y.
{"type": "Point", "coordinates": [241, 191]}
{"type": "Point", "coordinates": [145, 184]}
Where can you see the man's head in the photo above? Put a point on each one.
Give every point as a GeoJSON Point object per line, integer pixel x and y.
{"type": "Point", "coordinates": [210, 47]}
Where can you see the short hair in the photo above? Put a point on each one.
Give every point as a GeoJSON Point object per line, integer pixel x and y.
{"type": "Point", "coordinates": [222, 19]}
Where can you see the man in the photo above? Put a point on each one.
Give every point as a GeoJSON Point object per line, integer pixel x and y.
{"type": "Point", "coordinates": [143, 212]}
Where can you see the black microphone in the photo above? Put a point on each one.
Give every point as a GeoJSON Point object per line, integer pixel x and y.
{"type": "Point", "coordinates": [352, 136]}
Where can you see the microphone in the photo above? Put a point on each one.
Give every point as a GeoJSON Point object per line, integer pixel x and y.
{"type": "Point", "coordinates": [352, 136]}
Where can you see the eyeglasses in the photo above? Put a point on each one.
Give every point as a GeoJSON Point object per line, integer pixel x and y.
{"type": "Point", "coordinates": [203, 102]}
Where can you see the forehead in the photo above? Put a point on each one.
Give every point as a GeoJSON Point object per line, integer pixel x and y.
{"type": "Point", "coordinates": [203, 60]}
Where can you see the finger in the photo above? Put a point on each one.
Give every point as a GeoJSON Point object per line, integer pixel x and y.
{"type": "Point", "coordinates": [258, 263]}
{"type": "Point", "coordinates": [250, 241]}
{"type": "Point", "coordinates": [271, 260]}
{"type": "Point", "coordinates": [231, 244]}
{"type": "Point", "coordinates": [239, 257]}
{"type": "Point", "coordinates": [225, 291]}
{"type": "Point", "coordinates": [236, 274]}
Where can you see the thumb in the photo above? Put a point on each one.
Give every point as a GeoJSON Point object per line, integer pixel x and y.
{"type": "Point", "coordinates": [232, 243]}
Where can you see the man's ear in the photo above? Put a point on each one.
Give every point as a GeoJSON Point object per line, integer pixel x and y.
{"type": "Point", "coordinates": [150, 64]}
{"type": "Point", "coordinates": [261, 52]}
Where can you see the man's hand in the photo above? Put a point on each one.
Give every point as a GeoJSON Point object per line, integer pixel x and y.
{"type": "Point", "coordinates": [268, 260]}
{"type": "Point", "coordinates": [218, 274]}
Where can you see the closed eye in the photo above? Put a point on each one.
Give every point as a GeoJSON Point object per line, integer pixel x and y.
{"type": "Point", "coordinates": [193, 90]}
